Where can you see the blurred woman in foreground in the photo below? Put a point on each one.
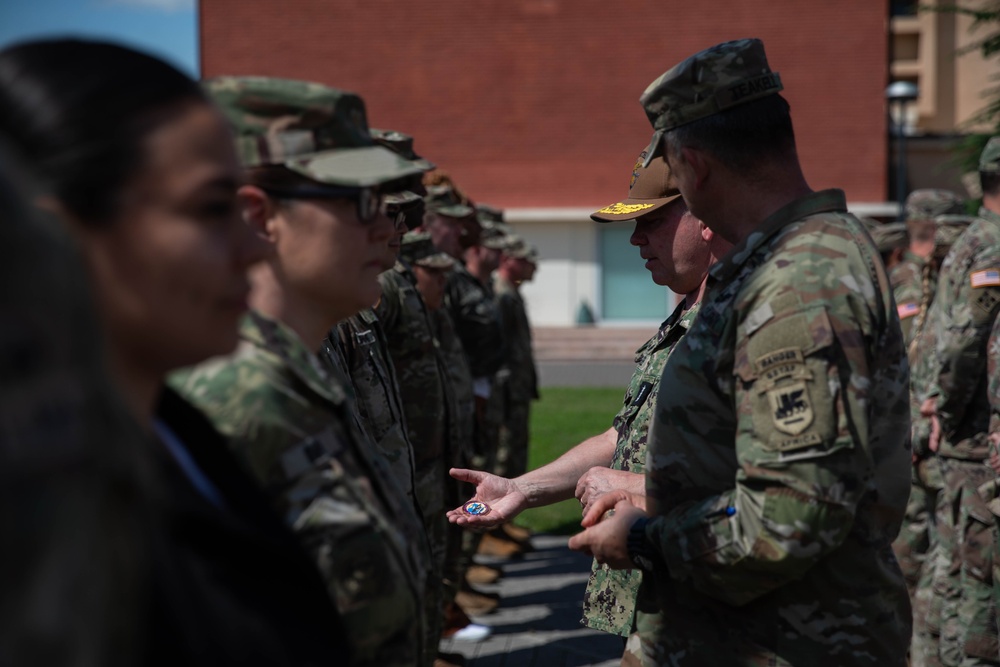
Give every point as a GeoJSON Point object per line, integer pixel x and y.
{"type": "Point", "coordinates": [139, 165]}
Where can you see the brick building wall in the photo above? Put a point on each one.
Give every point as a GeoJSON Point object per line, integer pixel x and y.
{"type": "Point", "coordinates": [534, 103]}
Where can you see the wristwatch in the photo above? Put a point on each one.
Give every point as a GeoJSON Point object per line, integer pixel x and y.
{"type": "Point", "coordinates": [640, 551]}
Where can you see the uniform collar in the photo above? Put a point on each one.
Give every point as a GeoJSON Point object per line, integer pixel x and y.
{"type": "Point", "coordinates": [824, 201]}
{"type": "Point", "coordinates": [277, 339]}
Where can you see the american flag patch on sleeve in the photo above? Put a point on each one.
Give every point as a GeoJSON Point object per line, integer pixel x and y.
{"type": "Point", "coordinates": [907, 310]}
{"type": "Point", "coordinates": [986, 278]}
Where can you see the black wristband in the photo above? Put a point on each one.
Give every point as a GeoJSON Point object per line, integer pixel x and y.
{"type": "Point", "coordinates": [640, 551]}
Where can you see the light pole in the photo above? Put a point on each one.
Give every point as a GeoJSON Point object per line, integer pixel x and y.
{"type": "Point", "coordinates": [901, 93]}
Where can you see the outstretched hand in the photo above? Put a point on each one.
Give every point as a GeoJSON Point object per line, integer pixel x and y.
{"type": "Point", "coordinates": [503, 496]}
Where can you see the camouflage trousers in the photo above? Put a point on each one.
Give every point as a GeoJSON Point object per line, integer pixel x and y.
{"type": "Point", "coordinates": [916, 550]}
{"type": "Point", "coordinates": [956, 614]}
{"type": "Point", "coordinates": [512, 452]}
{"type": "Point", "coordinates": [914, 540]}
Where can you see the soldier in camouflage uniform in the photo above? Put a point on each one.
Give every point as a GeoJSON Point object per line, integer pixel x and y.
{"type": "Point", "coordinates": [410, 331]}
{"type": "Point", "coordinates": [914, 280]}
{"type": "Point", "coordinates": [678, 250]}
{"type": "Point", "coordinates": [361, 343]}
{"type": "Point", "coordinates": [517, 379]}
{"type": "Point", "coordinates": [966, 304]}
{"type": "Point", "coordinates": [915, 276]}
{"type": "Point", "coordinates": [919, 531]}
{"type": "Point", "coordinates": [287, 417]}
{"type": "Point", "coordinates": [777, 469]}
{"type": "Point", "coordinates": [891, 239]}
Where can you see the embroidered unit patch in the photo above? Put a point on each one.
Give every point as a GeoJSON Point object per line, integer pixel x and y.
{"type": "Point", "coordinates": [791, 410]}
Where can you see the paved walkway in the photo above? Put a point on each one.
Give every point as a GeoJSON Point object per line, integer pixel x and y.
{"type": "Point", "coordinates": [586, 356]}
{"type": "Point", "coordinates": [538, 621]}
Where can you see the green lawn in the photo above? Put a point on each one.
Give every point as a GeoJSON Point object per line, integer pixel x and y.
{"type": "Point", "coordinates": [559, 420]}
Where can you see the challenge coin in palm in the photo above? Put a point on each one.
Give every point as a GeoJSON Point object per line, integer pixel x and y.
{"type": "Point", "coordinates": [476, 508]}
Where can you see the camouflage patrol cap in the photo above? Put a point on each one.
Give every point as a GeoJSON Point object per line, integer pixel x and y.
{"type": "Point", "coordinates": [718, 78]}
{"type": "Point", "coordinates": [650, 187]}
{"type": "Point", "coordinates": [312, 129]}
{"type": "Point", "coordinates": [947, 229]}
{"type": "Point", "coordinates": [492, 236]}
{"type": "Point", "coordinates": [890, 236]}
{"type": "Point", "coordinates": [417, 248]}
{"type": "Point", "coordinates": [487, 213]}
{"type": "Point", "coordinates": [400, 143]}
{"type": "Point", "coordinates": [444, 200]}
{"type": "Point", "coordinates": [518, 249]}
{"type": "Point", "coordinates": [929, 203]}
{"type": "Point", "coordinates": [989, 159]}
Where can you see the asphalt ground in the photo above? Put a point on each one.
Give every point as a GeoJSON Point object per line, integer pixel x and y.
{"type": "Point", "coordinates": [538, 621]}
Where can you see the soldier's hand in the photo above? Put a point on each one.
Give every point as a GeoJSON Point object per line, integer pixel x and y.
{"type": "Point", "coordinates": [608, 540]}
{"type": "Point", "coordinates": [503, 496]}
{"type": "Point", "coordinates": [599, 480]}
{"type": "Point", "coordinates": [994, 459]}
{"type": "Point", "coordinates": [934, 441]}
{"type": "Point", "coordinates": [605, 507]}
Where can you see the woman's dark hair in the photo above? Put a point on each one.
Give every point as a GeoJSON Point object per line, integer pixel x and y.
{"type": "Point", "coordinates": [77, 112]}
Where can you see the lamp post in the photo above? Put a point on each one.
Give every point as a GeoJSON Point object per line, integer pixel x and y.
{"type": "Point", "coordinates": [901, 93]}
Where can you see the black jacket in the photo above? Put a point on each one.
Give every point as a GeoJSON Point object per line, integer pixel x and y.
{"type": "Point", "coordinates": [230, 586]}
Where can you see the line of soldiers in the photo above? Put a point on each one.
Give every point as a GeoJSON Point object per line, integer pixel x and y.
{"type": "Point", "coordinates": [422, 380]}
{"type": "Point", "coordinates": [948, 286]}
{"type": "Point", "coordinates": [293, 490]}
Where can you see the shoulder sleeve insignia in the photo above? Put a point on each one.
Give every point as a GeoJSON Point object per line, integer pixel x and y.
{"type": "Point", "coordinates": [986, 278]}
{"type": "Point", "coordinates": [791, 409]}
{"type": "Point", "coordinates": [907, 310]}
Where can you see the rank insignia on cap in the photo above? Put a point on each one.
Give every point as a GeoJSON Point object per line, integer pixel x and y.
{"type": "Point", "coordinates": [476, 508]}
{"type": "Point", "coordinates": [791, 410]}
{"type": "Point", "coordinates": [905, 310]}
{"type": "Point", "coordinates": [987, 278]}
{"type": "Point", "coordinates": [621, 209]}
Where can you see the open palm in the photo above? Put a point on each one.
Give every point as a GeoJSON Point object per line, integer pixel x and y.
{"type": "Point", "coordinates": [502, 495]}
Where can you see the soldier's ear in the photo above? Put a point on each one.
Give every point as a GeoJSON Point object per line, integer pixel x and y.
{"type": "Point", "coordinates": [698, 164]}
{"type": "Point", "coordinates": [258, 211]}
{"type": "Point", "coordinates": [706, 234]}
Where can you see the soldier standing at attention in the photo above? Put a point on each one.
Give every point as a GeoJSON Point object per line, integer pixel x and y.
{"type": "Point", "coordinates": [777, 468]}
{"type": "Point", "coordinates": [361, 342]}
{"type": "Point", "coordinates": [919, 532]}
{"type": "Point", "coordinates": [517, 379]}
{"type": "Point", "coordinates": [678, 250]}
{"type": "Point", "coordinates": [915, 277]}
{"type": "Point", "coordinates": [914, 280]}
{"type": "Point", "coordinates": [957, 404]}
{"type": "Point", "coordinates": [315, 183]}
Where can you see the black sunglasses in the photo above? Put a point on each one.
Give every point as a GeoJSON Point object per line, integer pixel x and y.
{"type": "Point", "coordinates": [368, 200]}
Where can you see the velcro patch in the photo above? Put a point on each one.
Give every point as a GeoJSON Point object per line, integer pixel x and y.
{"type": "Point", "coordinates": [791, 409]}
{"type": "Point", "coordinates": [905, 310]}
{"type": "Point", "coordinates": [622, 209]}
{"type": "Point", "coordinates": [782, 357]}
{"type": "Point", "coordinates": [986, 278]}
{"type": "Point", "coordinates": [987, 302]}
